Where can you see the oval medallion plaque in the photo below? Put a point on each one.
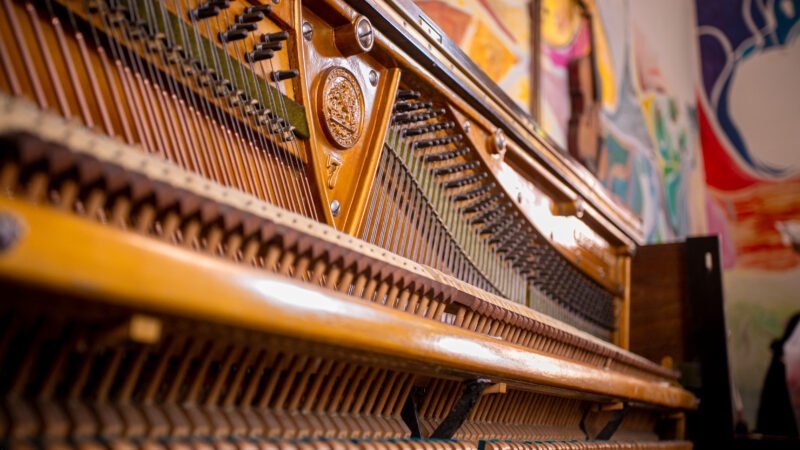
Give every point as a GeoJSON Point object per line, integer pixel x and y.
{"type": "Point", "coordinates": [341, 107]}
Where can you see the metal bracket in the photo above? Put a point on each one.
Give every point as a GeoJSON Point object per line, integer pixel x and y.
{"type": "Point", "coordinates": [472, 392]}
{"type": "Point", "coordinates": [620, 410]}
{"type": "Point", "coordinates": [409, 414]}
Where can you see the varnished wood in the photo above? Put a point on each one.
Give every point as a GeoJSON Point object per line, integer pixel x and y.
{"type": "Point", "coordinates": [207, 258]}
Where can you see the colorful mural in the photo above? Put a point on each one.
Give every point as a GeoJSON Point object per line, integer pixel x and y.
{"type": "Point", "coordinates": [495, 34]}
{"type": "Point", "coordinates": [650, 158]}
{"type": "Point", "coordinates": [749, 117]}
{"type": "Point", "coordinates": [565, 37]}
{"type": "Point", "coordinates": [741, 101]}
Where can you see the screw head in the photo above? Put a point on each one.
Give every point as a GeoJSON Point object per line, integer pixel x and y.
{"type": "Point", "coordinates": [467, 126]}
{"type": "Point", "coordinates": [335, 208]}
{"type": "Point", "coordinates": [499, 143]}
{"type": "Point", "coordinates": [10, 231]}
{"type": "Point", "coordinates": [308, 31]}
{"type": "Point", "coordinates": [364, 33]}
{"type": "Point", "coordinates": [373, 77]}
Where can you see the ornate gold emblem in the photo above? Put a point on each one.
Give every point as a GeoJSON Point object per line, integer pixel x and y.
{"type": "Point", "coordinates": [342, 107]}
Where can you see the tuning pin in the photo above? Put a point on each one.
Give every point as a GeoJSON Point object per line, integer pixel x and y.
{"type": "Point", "coordinates": [251, 106]}
{"type": "Point", "coordinates": [172, 57]}
{"type": "Point", "coordinates": [156, 43]}
{"type": "Point", "coordinates": [407, 95]}
{"type": "Point", "coordinates": [275, 37]}
{"type": "Point", "coordinates": [436, 142]}
{"type": "Point", "coordinates": [259, 55]}
{"type": "Point", "coordinates": [206, 77]}
{"type": "Point", "coordinates": [411, 106]}
{"type": "Point", "coordinates": [115, 18]}
{"type": "Point", "coordinates": [262, 117]}
{"type": "Point", "coordinates": [234, 33]}
{"type": "Point", "coordinates": [405, 118]}
{"type": "Point", "coordinates": [238, 98]}
{"type": "Point", "coordinates": [221, 4]}
{"type": "Point", "coordinates": [466, 181]}
{"type": "Point", "coordinates": [449, 170]}
{"type": "Point", "coordinates": [473, 193]}
{"type": "Point", "coordinates": [263, 9]}
{"type": "Point", "coordinates": [280, 75]}
{"type": "Point", "coordinates": [186, 70]}
{"type": "Point", "coordinates": [274, 46]}
{"type": "Point", "coordinates": [223, 88]}
{"type": "Point", "coordinates": [134, 32]}
{"type": "Point", "coordinates": [251, 17]}
{"type": "Point", "coordinates": [203, 12]}
{"type": "Point", "coordinates": [275, 125]}
{"type": "Point", "coordinates": [430, 128]}
{"type": "Point", "coordinates": [444, 156]}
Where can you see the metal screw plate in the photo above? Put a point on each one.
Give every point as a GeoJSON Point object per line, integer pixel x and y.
{"type": "Point", "coordinates": [10, 231]}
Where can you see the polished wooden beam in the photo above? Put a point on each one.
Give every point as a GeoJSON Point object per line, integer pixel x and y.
{"type": "Point", "coordinates": [86, 259]}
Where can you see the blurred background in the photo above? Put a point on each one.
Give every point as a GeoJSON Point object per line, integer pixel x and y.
{"type": "Point", "coordinates": [695, 109]}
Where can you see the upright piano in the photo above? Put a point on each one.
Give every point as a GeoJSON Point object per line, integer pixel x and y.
{"type": "Point", "coordinates": [300, 225]}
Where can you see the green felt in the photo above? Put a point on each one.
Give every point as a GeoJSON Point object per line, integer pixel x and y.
{"type": "Point", "coordinates": [296, 113]}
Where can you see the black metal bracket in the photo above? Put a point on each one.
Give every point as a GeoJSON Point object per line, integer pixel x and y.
{"type": "Point", "coordinates": [472, 392]}
{"type": "Point", "coordinates": [613, 424]}
{"type": "Point", "coordinates": [409, 414]}
{"type": "Point", "coordinates": [611, 427]}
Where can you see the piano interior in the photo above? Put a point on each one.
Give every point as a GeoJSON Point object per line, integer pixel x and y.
{"type": "Point", "coordinates": [292, 224]}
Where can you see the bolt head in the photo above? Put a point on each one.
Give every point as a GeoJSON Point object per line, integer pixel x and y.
{"type": "Point", "coordinates": [364, 33]}
{"type": "Point", "coordinates": [499, 144]}
{"type": "Point", "coordinates": [335, 208]}
{"type": "Point", "coordinates": [308, 31]}
{"type": "Point", "coordinates": [373, 77]}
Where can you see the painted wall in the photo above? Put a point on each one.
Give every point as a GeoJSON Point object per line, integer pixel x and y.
{"type": "Point", "coordinates": [701, 130]}
{"type": "Point", "coordinates": [649, 160]}
{"type": "Point", "coordinates": [749, 119]}
{"type": "Point", "coordinates": [494, 33]}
